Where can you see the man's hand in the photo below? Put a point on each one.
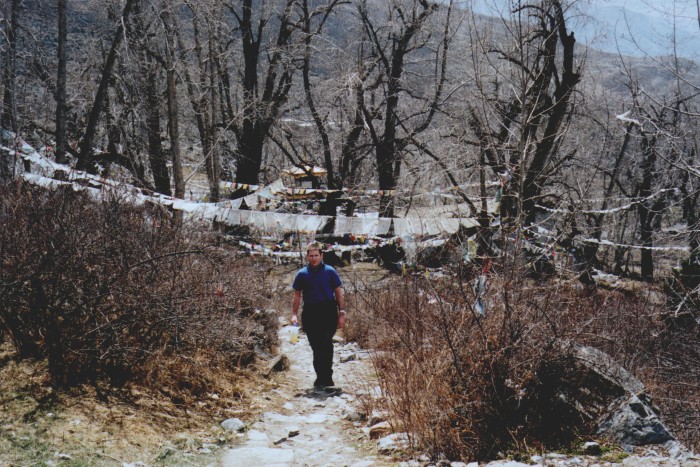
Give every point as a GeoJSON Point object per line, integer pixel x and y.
{"type": "Point", "coordinates": [341, 319]}
{"type": "Point", "coordinates": [294, 319]}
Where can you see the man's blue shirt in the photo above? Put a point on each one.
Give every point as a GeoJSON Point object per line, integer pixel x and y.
{"type": "Point", "coordinates": [318, 285]}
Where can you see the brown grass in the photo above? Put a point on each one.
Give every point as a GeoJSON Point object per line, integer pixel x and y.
{"type": "Point", "coordinates": [478, 387]}
{"type": "Point", "coordinates": [135, 423]}
{"type": "Point", "coordinates": [111, 292]}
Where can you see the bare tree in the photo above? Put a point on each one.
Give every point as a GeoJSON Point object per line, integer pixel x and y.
{"type": "Point", "coordinates": [261, 104]}
{"type": "Point", "coordinates": [526, 90]}
{"type": "Point", "coordinates": [8, 112]}
{"type": "Point", "coordinates": [173, 113]}
{"type": "Point", "coordinates": [86, 156]}
{"type": "Point", "coordinates": [61, 106]}
{"type": "Point", "coordinates": [391, 45]}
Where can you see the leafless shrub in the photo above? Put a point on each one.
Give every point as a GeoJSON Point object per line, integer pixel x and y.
{"type": "Point", "coordinates": [470, 386]}
{"type": "Point", "coordinates": [106, 291]}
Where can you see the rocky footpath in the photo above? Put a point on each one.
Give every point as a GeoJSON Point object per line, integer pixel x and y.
{"type": "Point", "coordinates": [342, 427]}
{"type": "Point", "coordinates": [308, 427]}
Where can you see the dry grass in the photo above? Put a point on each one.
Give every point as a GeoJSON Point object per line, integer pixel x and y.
{"type": "Point", "coordinates": [124, 326]}
{"type": "Point", "coordinates": [479, 387]}
{"type": "Point", "coordinates": [135, 423]}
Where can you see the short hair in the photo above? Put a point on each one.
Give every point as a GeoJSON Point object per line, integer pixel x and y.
{"type": "Point", "coordinates": [314, 246]}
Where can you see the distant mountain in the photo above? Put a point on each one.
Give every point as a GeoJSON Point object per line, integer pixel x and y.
{"type": "Point", "coordinates": [634, 27]}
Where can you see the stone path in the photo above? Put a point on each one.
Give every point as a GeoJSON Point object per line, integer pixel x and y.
{"type": "Point", "coordinates": [313, 428]}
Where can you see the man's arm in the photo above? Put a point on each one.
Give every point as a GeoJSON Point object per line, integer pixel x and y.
{"type": "Point", "coordinates": [296, 301]}
{"type": "Point", "coordinates": [341, 306]}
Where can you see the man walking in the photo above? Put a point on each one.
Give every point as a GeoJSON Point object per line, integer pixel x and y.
{"type": "Point", "coordinates": [321, 289]}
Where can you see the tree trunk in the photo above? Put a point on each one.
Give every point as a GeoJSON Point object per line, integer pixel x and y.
{"type": "Point", "coordinates": [260, 109]}
{"type": "Point", "coordinates": [61, 83]}
{"type": "Point", "coordinates": [9, 108]}
{"type": "Point", "coordinates": [173, 117]}
{"type": "Point", "coordinates": [547, 146]}
{"type": "Point", "coordinates": [646, 213]}
{"type": "Point", "coordinates": [85, 154]}
{"type": "Point", "coordinates": [251, 144]}
{"type": "Point", "coordinates": [8, 113]}
{"type": "Point", "coordinates": [213, 161]}
{"type": "Point", "coordinates": [161, 179]}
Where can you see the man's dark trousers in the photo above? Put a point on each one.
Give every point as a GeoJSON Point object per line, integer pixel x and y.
{"type": "Point", "coordinates": [320, 322]}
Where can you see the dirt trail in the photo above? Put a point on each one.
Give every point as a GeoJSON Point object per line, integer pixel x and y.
{"type": "Point", "coordinates": [304, 427]}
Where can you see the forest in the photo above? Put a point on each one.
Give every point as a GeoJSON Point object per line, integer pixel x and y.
{"type": "Point", "coordinates": [577, 168]}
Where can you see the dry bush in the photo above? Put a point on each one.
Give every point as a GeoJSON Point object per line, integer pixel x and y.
{"type": "Point", "coordinates": [642, 335]}
{"type": "Point", "coordinates": [105, 290]}
{"type": "Point", "coordinates": [476, 387]}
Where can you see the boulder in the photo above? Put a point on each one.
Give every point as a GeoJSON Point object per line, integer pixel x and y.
{"type": "Point", "coordinates": [633, 421]}
{"type": "Point", "coordinates": [604, 396]}
{"type": "Point", "coordinates": [379, 430]}
{"type": "Point", "coordinates": [393, 443]}
{"type": "Point", "coordinates": [631, 418]}
{"type": "Point", "coordinates": [233, 424]}
{"type": "Point", "coordinates": [280, 363]}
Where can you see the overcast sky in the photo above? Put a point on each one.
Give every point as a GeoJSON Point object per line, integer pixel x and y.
{"type": "Point", "coordinates": [612, 24]}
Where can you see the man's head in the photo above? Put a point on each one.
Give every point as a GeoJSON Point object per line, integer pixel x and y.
{"type": "Point", "coordinates": [314, 255]}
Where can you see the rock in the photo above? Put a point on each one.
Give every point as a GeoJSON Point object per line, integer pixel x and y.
{"type": "Point", "coordinates": [288, 406]}
{"type": "Point", "coordinates": [376, 417]}
{"type": "Point", "coordinates": [392, 443]}
{"type": "Point", "coordinates": [508, 463]}
{"type": "Point", "coordinates": [633, 421]}
{"type": "Point", "coordinates": [279, 441]}
{"type": "Point", "coordinates": [352, 415]}
{"type": "Point", "coordinates": [591, 448]}
{"type": "Point", "coordinates": [379, 430]}
{"type": "Point", "coordinates": [589, 389]}
{"type": "Point", "coordinates": [348, 358]}
{"type": "Point", "coordinates": [280, 363]}
{"type": "Point", "coordinates": [233, 424]}
{"type": "Point", "coordinates": [293, 431]}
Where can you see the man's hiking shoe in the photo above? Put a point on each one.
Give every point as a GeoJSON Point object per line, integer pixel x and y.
{"type": "Point", "coordinates": [323, 384]}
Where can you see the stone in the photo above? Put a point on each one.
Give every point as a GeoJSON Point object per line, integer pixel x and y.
{"type": "Point", "coordinates": [233, 424]}
{"type": "Point", "coordinates": [352, 415]}
{"type": "Point", "coordinates": [591, 390]}
{"type": "Point", "coordinates": [591, 448]}
{"type": "Point", "coordinates": [257, 436]}
{"type": "Point", "coordinates": [348, 358]}
{"type": "Point", "coordinates": [376, 417]}
{"type": "Point", "coordinates": [279, 363]}
{"type": "Point", "coordinates": [293, 431]}
{"type": "Point", "coordinates": [632, 421]}
{"type": "Point", "coordinates": [393, 443]}
{"type": "Point", "coordinates": [379, 430]}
